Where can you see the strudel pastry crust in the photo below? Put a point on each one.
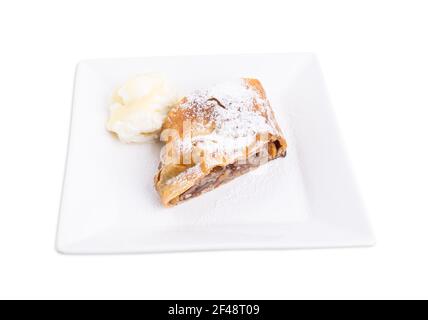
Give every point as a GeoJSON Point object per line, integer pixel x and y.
{"type": "Point", "coordinates": [214, 136]}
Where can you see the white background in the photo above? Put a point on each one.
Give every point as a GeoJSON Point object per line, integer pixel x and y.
{"type": "Point", "coordinates": [375, 58]}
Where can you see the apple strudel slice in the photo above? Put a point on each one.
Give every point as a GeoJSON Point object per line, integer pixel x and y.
{"type": "Point", "coordinates": [215, 135]}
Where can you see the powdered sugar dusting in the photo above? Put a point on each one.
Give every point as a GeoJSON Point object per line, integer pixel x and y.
{"type": "Point", "coordinates": [194, 172]}
{"type": "Point", "coordinates": [229, 109]}
{"type": "Point", "coordinates": [232, 103]}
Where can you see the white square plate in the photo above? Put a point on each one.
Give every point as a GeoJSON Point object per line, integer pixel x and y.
{"type": "Point", "coordinates": [307, 200]}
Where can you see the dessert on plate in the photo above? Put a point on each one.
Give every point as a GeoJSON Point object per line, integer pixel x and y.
{"type": "Point", "coordinates": [215, 135]}
{"type": "Point", "coordinates": [140, 106]}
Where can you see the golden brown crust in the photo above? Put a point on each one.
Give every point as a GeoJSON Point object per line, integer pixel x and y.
{"type": "Point", "coordinates": [209, 119]}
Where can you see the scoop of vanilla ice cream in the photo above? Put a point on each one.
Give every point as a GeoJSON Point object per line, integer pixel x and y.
{"type": "Point", "coordinates": [140, 106]}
